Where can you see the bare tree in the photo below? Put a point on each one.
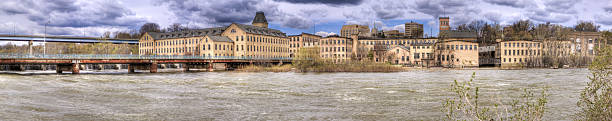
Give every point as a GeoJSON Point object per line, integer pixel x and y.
{"type": "Point", "coordinates": [176, 27]}
{"type": "Point", "coordinates": [149, 27]}
{"type": "Point", "coordinates": [585, 26]}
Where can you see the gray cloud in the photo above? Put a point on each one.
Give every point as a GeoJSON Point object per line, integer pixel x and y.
{"type": "Point", "coordinates": [561, 6]}
{"type": "Point", "coordinates": [605, 19]}
{"type": "Point", "coordinates": [461, 12]}
{"type": "Point", "coordinates": [511, 3]}
{"type": "Point", "coordinates": [437, 8]}
{"type": "Point", "coordinates": [543, 15]}
{"type": "Point", "coordinates": [608, 9]}
{"type": "Point", "coordinates": [493, 16]}
{"type": "Point", "coordinates": [326, 2]}
{"type": "Point", "coordinates": [72, 13]}
{"type": "Point", "coordinates": [218, 13]}
{"type": "Point", "coordinates": [389, 10]}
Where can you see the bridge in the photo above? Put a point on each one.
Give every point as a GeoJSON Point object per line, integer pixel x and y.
{"type": "Point", "coordinates": [71, 62]}
{"type": "Point", "coordinates": [66, 39]}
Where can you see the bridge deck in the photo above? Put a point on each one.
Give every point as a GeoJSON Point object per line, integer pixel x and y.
{"type": "Point", "coordinates": [125, 59]}
{"type": "Point", "coordinates": [66, 39]}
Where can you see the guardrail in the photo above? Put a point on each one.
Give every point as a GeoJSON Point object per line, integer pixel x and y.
{"type": "Point", "coordinates": [126, 56]}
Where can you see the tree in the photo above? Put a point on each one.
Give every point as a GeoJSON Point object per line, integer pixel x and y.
{"type": "Point", "coordinates": [584, 26]}
{"type": "Point", "coordinates": [106, 35]}
{"type": "Point", "coordinates": [596, 99]}
{"type": "Point", "coordinates": [122, 35]}
{"type": "Point", "coordinates": [176, 27]}
{"type": "Point", "coordinates": [467, 103]}
{"type": "Point", "coordinates": [149, 27]}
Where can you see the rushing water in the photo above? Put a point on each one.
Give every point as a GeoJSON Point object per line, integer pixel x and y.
{"type": "Point", "coordinates": [415, 95]}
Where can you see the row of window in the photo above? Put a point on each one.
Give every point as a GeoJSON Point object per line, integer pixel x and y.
{"type": "Point", "coordinates": [333, 49]}
{"type": "Point", "coordinates": [521, 52]}
{"type": "Point", "coordinates": [421, 55]}
{"type": "Point", "coordinates": [521, 44]}
{"type": "Point", "coordinates": [514, 60]}
{"type": "Point", "coordinates": [395, 42]}
{"type": "Point", "coordinates": [262, 39]}
{"type": "Point", "coordinates": [458, 47]}
{"type": "Point", "coordinates": [329, 42]}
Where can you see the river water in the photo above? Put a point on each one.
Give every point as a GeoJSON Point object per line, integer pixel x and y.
{"type": "Point", "coordinates": [414, 95]}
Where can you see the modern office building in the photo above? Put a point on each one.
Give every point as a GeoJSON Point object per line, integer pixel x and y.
{"type": "Point", "coordinates": [413, 30]}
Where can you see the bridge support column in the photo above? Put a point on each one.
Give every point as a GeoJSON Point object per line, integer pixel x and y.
{"type": "Point", "coordinates": [210, 66]}
{"type": "Point", "coordinates": [186, 67]}
{"type": "Point", "coordinates": [131, 68]}
{"type": "Point", "coordinates": [58, 69]}
{"type": "Point", "coordinates": [30, 46]}
{"type": "Point", "coordinates": [153, 68]}
{"type": "Point", "coordinates": [75, 68]}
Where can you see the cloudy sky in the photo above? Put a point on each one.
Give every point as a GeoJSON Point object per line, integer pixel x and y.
{"type": "Point", "coordinates": [93, 17]}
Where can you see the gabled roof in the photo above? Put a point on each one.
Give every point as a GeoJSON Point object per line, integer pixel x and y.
{"type": "Point", "coordinates": [402, 47]}
{"type": "Point", "coordinates": [220, 39]}
{"type": "Point", "coordinates": [260, 30]}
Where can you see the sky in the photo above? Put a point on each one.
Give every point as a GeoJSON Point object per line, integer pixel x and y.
{"type": "Point", "coordinates": [92, 18]}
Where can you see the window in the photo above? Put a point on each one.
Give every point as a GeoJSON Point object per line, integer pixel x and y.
{"type": "Point", "coordinates": [233, 30]}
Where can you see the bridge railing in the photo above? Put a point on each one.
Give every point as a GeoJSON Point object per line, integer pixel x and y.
{"type": "Point", "coordinates": [127, 56]}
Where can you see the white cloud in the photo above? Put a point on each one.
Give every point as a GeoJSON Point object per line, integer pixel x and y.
{"type": "Point", "coordinates": [325, 34]}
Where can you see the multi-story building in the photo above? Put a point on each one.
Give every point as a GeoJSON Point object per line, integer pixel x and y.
{"type": "Point", "coordinates": [422, 54]}
{"type": "Point", "coordinates": [413, 30]}
{"type": "Point", "coordinates": [457, 49]}
{"type": "Point", "coordinates": [519, 53]}
{"type": "Point", "coordinates": [398, 55]}
{"type": "Point", "coordinates": [369, 43]}
{"type": "Point", "coordinates": [335, 48]}
{"type": "Point", "coordinates": [456, 53]}
{"type": "Point", "coordinates": [586, 43]}
{"type": "Point", "coordinates": [393, 34]}
{"type": "Point", "coordinates": [557, 48]}
{"type": "Point", "coordinates": [444, 23]}
{"type": "Point", "coordinates": [301, 41]}
{"type": "Point", "coordinates": [237, 40]}
{"type": "Point", "coordinates": [360, 30]}
{"type": "Point", "coordinates": [177, 43]}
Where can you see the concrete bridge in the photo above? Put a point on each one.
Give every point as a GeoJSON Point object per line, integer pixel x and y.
{"type": "Point", "coordinates": [135, 62]}
{"type": "Point", "coordinates": [65, 39]}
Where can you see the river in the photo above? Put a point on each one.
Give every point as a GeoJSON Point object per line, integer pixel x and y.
{"type": "Point", "coordinates": [414, 95]}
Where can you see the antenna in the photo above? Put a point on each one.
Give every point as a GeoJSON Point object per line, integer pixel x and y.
{"type": "Point", "coordinates": [443, 11]}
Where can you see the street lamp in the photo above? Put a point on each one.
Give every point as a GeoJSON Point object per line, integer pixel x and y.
{"type": "Point", "coordinates": [45, 40]}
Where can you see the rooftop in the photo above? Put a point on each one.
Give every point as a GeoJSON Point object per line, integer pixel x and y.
{"type": "Point", "coordinates": [261, 31]}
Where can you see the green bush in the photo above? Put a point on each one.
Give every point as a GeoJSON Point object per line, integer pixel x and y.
{"type": "Point", "coordinates": [468, 104]}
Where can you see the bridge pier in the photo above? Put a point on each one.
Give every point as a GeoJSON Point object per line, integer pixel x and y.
{"type": "Point", "coordinates": [30, 46]}
{"type": "Point", "coordinates": [58, 69]}
{"type": "Point", "coordinates": [186, 67]}
{"type": "Point", "coordinates": [74, 68]}
{"type": "Point", "coordinates": [153, 68]}
{"type": "Point", "coordinates": [210, 66]}
{"type": "Point", "coordinates": [131, 68]}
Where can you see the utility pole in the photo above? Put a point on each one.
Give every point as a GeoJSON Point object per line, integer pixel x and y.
{"type": "Point", "coordinates": [45, 40]}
